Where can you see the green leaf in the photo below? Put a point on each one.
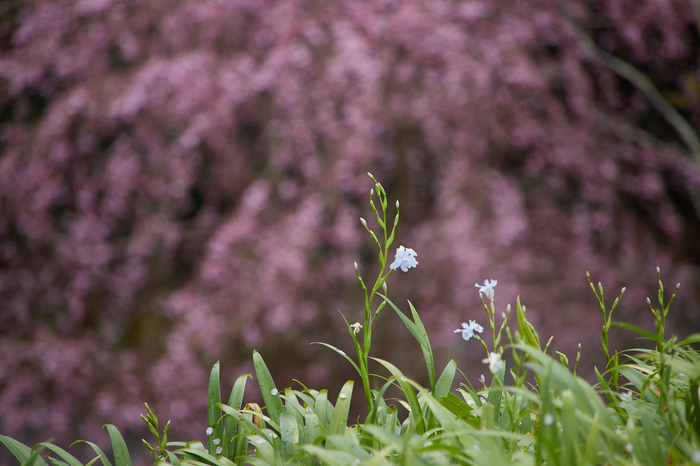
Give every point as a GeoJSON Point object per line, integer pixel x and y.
{"type": "Point", "coordinates": [312, 427]}
{"type": "Point", "coordinates": [21, 451]}
{"type": "Point", "coordinates": [121, 453]}
{"type": "Point", "coordinates": [324, 410]}
{"type": "Point", "coordinates": [235, 401]}
{"type": "Point", "coordinates": [263, 448]}
{"type": "Point", "coordinates": [694, 338]}
{"type": "Point", "coordinates": [644, 333]}
{"type": "Point", "coordinates": [289, 433]}
{"type": "Point", "coordinates": [342, 408]}
{"type": "Point", "coordinates": [330, 457]}
{"type": "Point", "coordinates": [67, 457]}
{"type": "Point", "coordinates": [213, 411]}
{"type": "Point", "coordinates": [418, 331]}
{"type": "Point", "coordinates": [340, 352]}
{"type": "Point", "coordinates": [444, 383]}
{"type": "Point", "coordinates": [411, 398]}
{"type": "Point", "coordinates": [267, 385]}
{"type": "Point", "coordinates": [98, 450]}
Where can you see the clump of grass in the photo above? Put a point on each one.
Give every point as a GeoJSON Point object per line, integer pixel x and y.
{"type": "Point", "coordinates": [644, 408]}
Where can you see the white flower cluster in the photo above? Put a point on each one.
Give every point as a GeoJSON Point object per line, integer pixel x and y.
{"type": "Point", "coordinates": [468, 329]}
{"type": "Point", "coordinates": [404, 258]}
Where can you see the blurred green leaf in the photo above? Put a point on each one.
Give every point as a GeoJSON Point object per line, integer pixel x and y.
{"type": "Point", "coordinates": [121, 452]}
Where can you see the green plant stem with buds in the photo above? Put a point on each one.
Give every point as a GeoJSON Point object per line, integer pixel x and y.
{"type": "Point", "coordinates": [380, 283]}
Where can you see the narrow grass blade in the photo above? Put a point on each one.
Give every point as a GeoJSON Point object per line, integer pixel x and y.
{"type": "Point", "coordinates": [121, 452]}
{"type": "Point", "coordinates": [342, 408]}
{"type": "Point", "coordinates": [21, 451]}
{"type": "Point", "coordinates": [444, 383]}
{"type": "Point", "coordinates": [324, 410]}
{"type": "Point", "coordinates": [269, 392]}
{"type": "Point", "coordinates": [289, 434]}
{"type": "Point", "coordinates": [644, 333]}
{"type": "Point", "coordinates": [98, 450]}
{"type": "Point", "coordinates": [411, 398]}
{"type": "Point", "coordinates": [312, 427]}
{"type": "Point", "coordinates": [65, 456]}
{"type": "Point", "coordinates": [330, 457]}
{"type": "Point", "coordinates": [213, 411]}
{"type": "Point", "coordinates": [292, 406]}
{"type": "Point", "coordinates": [342, 353]}
{"type": "Point", "coordinates": [235, 401]}
{"type": "Point", "coordinates": [418, 331]}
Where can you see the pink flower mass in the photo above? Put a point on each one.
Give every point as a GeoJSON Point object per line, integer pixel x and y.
{"type": "Point", "coordinates": [181, 182]}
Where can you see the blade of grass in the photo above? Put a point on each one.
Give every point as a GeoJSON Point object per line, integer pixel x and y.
{"type": "Point", "coordinates": [235, 401]}
{"type": "Point", "coordinates": [339, 419]}
{"type": "Point", "coordinates": [213, 411]}
{"type": "Point", "coordinates": [267, 388]}
{"type": "Point", "coordinates": [98, 450]}
{"type": "Point", "coordinates": [418, 331]}
{"type": "Point", "coordinates": [121, 452]}
{"type": "Point", "coordinates": [411, 398]}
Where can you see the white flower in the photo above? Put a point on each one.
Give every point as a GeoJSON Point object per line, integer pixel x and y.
{"type": "Point", "coordinates": [274, 392]}
{"type": "Point", "coordinates": [356, 327]}
{"type": "Point", "coordinates": [548, 419]}
{"type": "Point", "coordinates": [216, 441]}
{"type": "Point", "coordinates": [468, 329]}
{"type": "Point", "coordinates": [219, 450]}
{"type": "Point", "coordinates": [405, 258]}
{"type": "Point", "coordinates": [626, 396]}
{"type": "Point", "coordinates": [494, 362]}
{"type": "Point", "coordinates": [487, 288]}
{"type": "Point", "coordinates": [628, 447]}
{"type": "Point", "coordinates": [210, 430]}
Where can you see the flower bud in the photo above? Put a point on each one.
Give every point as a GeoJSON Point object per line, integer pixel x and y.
{"type": "Point", "coordinates": [363, 222]}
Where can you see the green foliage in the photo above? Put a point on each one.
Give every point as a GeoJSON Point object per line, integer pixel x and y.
{"type": "Point", "coordinates": [645, 408]}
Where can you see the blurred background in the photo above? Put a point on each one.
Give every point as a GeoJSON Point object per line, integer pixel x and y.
{"type": "Point", "coordinates": [181, 182]}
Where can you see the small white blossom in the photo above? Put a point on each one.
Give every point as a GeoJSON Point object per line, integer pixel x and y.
{"type": "Point", "coordinates": [627, 396]}
{"type": "Point", "coordinates": [405, 258]}
{"type": "Point", "coordinates": [628, 447]}
{"type": "Point", "coordinates": [210, 430]}
{"type": "Point", "coordinates": [260, 441]}
{"type": "Point", "coordinates": [494, 361]}
{"type": "Point", "coordinates": [216, 441]}
{"type": "Point", "coordinates": [696, 457]}
{"type": "Point", "coordinates": [468, 329]}
{"type": "Point", "coordinates": [548, 419]}
{"type": "Point", "coordinates": [219, 450]}
{"type": "Point", "coordinates": [342, 396]}
{"type": "Point", "coordinates": [356, 327]}
{"type": "Point", "coordinates": [482, 379]}
{"type": "Point", "coordinates": [487, 288]}
{"type": "Point", "coordinates": [274, 392]}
